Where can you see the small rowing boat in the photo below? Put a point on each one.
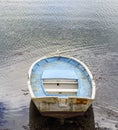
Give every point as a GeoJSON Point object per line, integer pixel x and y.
{"type": "Point", "coordinates": [61, 86]}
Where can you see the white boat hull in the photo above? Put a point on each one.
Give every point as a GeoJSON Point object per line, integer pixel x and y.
{"type": "Point", "coordinates": [62, 108]}
{"type": "Point", "coordinates": [61, 87]}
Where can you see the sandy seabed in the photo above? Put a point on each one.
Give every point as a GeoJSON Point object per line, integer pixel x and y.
{"type": "Point", "coordinates": [17, 112]}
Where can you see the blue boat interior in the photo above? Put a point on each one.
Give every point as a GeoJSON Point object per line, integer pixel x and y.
{"type": "Point", "coordinates": [61, 77]}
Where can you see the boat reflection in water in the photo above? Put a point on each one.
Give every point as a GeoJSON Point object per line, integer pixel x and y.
{"type": "Point", "coordinates": [39, 122]}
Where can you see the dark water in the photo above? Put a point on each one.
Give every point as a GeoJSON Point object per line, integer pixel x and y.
{"type": "Point", "coordinates": [84, 29]}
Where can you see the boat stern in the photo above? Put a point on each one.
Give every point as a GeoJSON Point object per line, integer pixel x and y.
{"type": "Point", "coordinates": [62, 107]}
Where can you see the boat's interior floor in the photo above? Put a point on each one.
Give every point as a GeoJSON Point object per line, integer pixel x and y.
{"type": "Point", "coordinates": [47, 73]}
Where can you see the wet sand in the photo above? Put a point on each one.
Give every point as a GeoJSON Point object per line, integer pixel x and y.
{"type": "Point", "coordinates": [15, 98]}
{"type": "Point", "coordinates": [32, 29]}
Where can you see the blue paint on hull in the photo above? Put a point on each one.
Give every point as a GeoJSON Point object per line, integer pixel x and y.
{"type": "Point", "coordinates": [62, 68]}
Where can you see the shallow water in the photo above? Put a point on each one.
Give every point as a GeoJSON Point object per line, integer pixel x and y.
{"type": "Point", "coordinates": [84, 29]}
